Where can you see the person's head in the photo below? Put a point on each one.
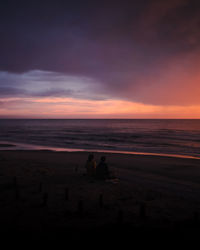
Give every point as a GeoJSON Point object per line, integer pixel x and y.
{"type": "Point", "coordinates": [90, 157]}
{"type": "Point", "coordinates": [103, 158]}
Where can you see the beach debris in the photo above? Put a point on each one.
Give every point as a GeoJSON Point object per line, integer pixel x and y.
{"type": "Point", "coordinates": [113, 180]}
{"type": "Point", "coordinates": [143, 211]}
{"type": "Point", "coordinates": [67, 194]}
{"type": "Point", "coordinates": [101, 200]}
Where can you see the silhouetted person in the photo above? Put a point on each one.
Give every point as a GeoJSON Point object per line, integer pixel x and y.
{"type": "Point", "coordinates": [91, 166]}
{"type": "Point", "coordinates": [102, 171]}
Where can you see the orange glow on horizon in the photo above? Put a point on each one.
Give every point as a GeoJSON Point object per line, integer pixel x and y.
{"type": "Point", "coordinates": [79, 108]}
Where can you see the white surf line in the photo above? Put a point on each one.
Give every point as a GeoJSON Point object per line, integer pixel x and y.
{"type": "Point", "coordinates": [23, 146]}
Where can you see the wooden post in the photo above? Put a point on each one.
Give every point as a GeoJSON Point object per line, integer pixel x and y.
{"type": "Point", "coordinates": [101, 200]}
{"type": "Point", "coordinates": [196, 218]}
{"type": "Point", "coordinates": [143, 211]}
{"type": "Point", "coordinates": [40, 187]}
{"type": "Point", "coordinates": [16, 187]}
{"type": "Point", "coordinates": [17, 193]}
{"type": "Point", "coordinates": [76, 169]}
{"type": "Point", "coordinates": [15, 182]}
{"type": "Point", "coordinates": [80, 208]}
{"type": "Point", "coordinates": [66, 194]}
{"type": "Point", "coordinates": [120, 217]}
{"type": "Point", "coordinates": [45, 199]}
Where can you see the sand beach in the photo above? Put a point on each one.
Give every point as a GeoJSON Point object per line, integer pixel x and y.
{"type": "Point", "coordinates": [44, 192]}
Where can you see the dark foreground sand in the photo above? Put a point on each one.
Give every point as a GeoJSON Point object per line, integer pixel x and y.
{"type": "Point", "coordinates": [152, 196]}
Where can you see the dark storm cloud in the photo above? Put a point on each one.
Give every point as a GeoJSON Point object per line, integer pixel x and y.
{"type": "Point", "coordinates": [133, 50]}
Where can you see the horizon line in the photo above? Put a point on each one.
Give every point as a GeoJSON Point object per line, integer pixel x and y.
{"type": "Point", "coordinates": [98, 118]}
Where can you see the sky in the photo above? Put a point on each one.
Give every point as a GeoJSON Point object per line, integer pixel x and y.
{"type": "Point", "coordinates": [100, 59]}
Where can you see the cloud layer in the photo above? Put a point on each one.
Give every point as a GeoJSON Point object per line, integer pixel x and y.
{"type": "Point", "coordinates": [145, 52]}
{"type": "Point", "coordinates": [38, 83]}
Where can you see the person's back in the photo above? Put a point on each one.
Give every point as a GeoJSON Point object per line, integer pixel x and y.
{"type": "Point", "coordinates": [90, 165]}
{"type": "Point", "coordinates": [102, 171]}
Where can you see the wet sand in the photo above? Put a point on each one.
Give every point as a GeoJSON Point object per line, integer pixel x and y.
{"type": "Point", "coordinates": [44, 192]}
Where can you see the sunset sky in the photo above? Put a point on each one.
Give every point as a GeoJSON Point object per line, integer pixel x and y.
{"type": "Point", "coordinates": [100, 59]}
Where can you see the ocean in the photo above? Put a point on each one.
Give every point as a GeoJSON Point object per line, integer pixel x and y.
{"type": "Point", "coordinates": [168, 137]}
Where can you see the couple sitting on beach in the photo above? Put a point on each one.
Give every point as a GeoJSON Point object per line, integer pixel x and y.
{"type": "Point", "coordinates": [99, 171]}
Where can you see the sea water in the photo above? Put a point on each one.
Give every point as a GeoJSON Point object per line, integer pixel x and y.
{"type": "Point", "coordinates": [178, 137]}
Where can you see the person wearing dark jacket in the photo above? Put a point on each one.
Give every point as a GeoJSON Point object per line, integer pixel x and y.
{"type": "Point", "coordinates": [102, 171]}
{"type": "Point", "coordinates": [91, 166]}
